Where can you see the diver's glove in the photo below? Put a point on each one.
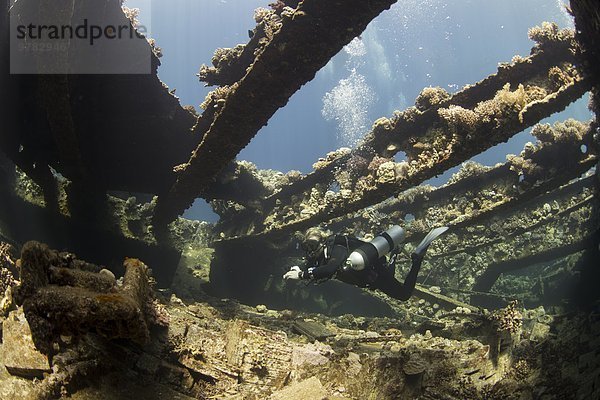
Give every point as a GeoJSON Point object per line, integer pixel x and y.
{"type": "Point", "coordinates": [294, 273]}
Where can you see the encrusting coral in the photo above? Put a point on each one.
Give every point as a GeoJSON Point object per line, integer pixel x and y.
{"type": "Point", "coordinates": [549, 32]}
{"type": "Point", "coordinates": [431, 96]}
{"type": "Point", "coordinates": [508, 319]}
{"type": "Point", "coordinates": [63, 295]}
{"type": "Point", "coordinates": [7, 266]}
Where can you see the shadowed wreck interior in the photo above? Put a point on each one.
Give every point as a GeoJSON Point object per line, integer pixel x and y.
{"type": "Point", "coordinates": [102, 167]}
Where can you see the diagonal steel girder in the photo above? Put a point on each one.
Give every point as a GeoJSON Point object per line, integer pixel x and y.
{"type": "Point", "coordinates": [413, 123]}
{"type": "Point", "coordinates": [306, 41]}
{"type": "Point", "coordinates": [522, 191]}
{"type": "Point", "coordinates": [543, 57]}
{"type": "Point", "coordinates": [486, 136]}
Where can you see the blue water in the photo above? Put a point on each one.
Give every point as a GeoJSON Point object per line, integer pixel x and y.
{"type": "Point", "coordinates": [413, 45]}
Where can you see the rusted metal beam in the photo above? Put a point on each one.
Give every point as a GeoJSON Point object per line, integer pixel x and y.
{"type": "Point", "coordinates": [434, 161]}
{"type": "Point", "coordinates": [512, 189]}
{"type": "Point", "coordinates": [415, 124]}
{"type": "Point", "coordinates": [305, 42]}
{"type": "Point", "coordinates": [587, 21]}
{"type": "Point", "coordinates": [486, 280]}
{"type": "Point", "coordinates": [109, 132]}
{"type": "Point", "coordinates": [515, 205]}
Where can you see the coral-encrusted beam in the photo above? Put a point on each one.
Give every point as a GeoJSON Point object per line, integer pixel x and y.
{"type": "Point", "coordinates": [435, 161]}
{"type": "Point", "coordinates": [307, 39]}
{"type": "Point", "coordinates": [556, 50]}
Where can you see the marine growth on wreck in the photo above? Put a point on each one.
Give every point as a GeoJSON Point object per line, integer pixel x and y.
{"type": "Point", "coordinates": [110, 289]}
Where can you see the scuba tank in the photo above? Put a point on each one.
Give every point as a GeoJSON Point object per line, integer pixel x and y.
{"type": "Point", "coordinates": [371, 251]}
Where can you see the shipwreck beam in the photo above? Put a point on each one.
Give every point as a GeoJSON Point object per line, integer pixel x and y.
{"type": "Point", "coordinates": [109, 132]}
{"type": "Point", "coordinates": [521, 178]}
{"type": "Point", "coordinates": [87, 240]}
{"type": "Point", "coordinates": [306, 41]}
{"type": "Point", "coordinates": [575, 187]}
{"type": "Point", "coordinates": [587, 21]}
{"type": "Point", "coordinates": [414, 124]}
{"type": "Point", "coordinates": [485, 282]}
{"type": "Point", "coordinates": [435, 159]}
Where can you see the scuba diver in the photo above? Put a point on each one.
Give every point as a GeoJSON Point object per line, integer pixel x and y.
{"type": "Point", "coordinates": [360, 263]}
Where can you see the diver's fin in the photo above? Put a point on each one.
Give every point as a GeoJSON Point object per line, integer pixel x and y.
{"type": "Point", "coordinates": [431, 236]}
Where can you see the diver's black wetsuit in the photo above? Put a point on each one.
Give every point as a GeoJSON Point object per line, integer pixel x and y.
{"type": "Point", "coordinates": [376, 276]}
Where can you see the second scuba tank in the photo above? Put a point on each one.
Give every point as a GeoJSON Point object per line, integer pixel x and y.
{"type": "Point", "coordinates": [376, 248]}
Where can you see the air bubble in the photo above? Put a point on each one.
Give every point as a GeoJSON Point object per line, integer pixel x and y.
{"type": "Point", "coordinates": [348, 105]}
{"type": "Point", "coordinates": [356, 48]}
